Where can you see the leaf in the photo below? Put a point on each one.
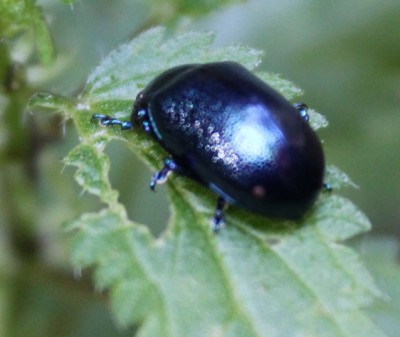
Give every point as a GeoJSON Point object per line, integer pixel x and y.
{"type": "Point", "coordinates": [382, 256]}
{"type": "Point", "coordinates": [24, 16]}
{"type": "Point", "coordinates": [188, 7]}
{"type": "Point", "coordinates": [258, 277]}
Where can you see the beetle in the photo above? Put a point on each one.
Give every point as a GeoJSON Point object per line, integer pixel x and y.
{"type": "Point", "coordinates": [227, 129]}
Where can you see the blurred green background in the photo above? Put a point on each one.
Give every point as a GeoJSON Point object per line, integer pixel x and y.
{"type": "Point", "coordinates": [345, 55]}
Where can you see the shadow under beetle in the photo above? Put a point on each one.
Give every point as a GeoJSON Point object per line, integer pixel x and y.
{"type": "Point", "coordinates": [227, 129]}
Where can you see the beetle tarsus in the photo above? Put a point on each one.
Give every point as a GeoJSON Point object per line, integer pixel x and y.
{"type": "Point", "coordinates": [219, 217]}
{"type": "Point", "coordinates": [303, 110]}
{"type": "Point", "coordinates": [109, 121]}
{"type": "Point", "coordinates": [161, 176]}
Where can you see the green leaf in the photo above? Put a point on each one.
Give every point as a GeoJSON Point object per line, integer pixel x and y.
{"type": "Point", "coordinates": [49, 101]}
{"type": "Point", "coordinates": [24, 16]}
{"type": "Point", "coordinates": [68, 2]}
{"type": "Point", "coordinates": [92, 177]}
{"type": "Point", "coordinates": [189, 7]}
{"type": "Point", "coordinates": [382, 257]}
{"type": "Point", "coordinates": [258, 277]}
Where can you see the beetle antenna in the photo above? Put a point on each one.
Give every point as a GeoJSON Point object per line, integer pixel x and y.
{"type": "Point", "coordinates": [106, 120]}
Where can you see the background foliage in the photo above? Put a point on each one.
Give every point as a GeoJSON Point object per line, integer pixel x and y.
{"type": "Point", "coordinates": [344, 55]}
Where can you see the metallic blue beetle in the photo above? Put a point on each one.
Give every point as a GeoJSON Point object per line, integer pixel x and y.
{"type": "Point", "coordinates": [230, 131]}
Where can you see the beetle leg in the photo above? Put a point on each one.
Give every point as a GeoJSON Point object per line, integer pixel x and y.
{"type": "Point", "coordinates": [161, 176]}
{"type": "Point", "coordinates": [219, 218]}
{"type": "Point", "coordinates": [146, 126]}
{"type": "Point", "coordinates": [108, 120]}
{"type": "Point", "coordinates": [327, 187]}
{"type": "Point", "coordinates": [303, 110]}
